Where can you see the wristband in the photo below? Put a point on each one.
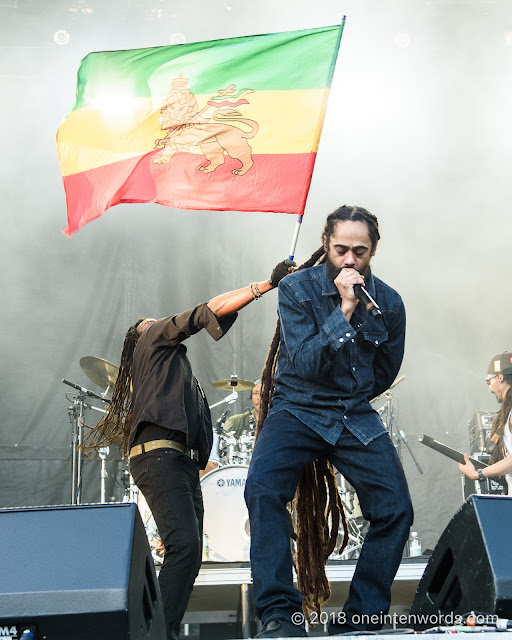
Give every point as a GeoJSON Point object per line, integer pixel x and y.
{"type": "Point", "coordinates": [481, 476]}
{"type": "Point", "coordinates": [256, 293]}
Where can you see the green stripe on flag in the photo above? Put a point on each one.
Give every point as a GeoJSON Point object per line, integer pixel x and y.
{"type": "Point", "coordinates": [277, 61]}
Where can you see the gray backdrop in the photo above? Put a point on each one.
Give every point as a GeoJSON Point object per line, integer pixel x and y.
{"type": "Point", "coordinates": [417, 131]}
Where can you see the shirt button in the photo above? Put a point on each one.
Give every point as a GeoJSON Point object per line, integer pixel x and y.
{"type": "Point", "coordinates": [376, 342]}
{"type": "Point", "coordinates": [344, 417]}
{"type": "Point", "coordinates": [352, 340]}
{"type": "Point", "coordinates": [353, 368]}
{"type": "Point", "coordinates": [348, 335]}
{"type": "Point", "coordinates": [341, 339]}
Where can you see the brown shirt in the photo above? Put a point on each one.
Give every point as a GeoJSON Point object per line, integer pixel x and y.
{"type": "Point", "coordinates": [165, 391]}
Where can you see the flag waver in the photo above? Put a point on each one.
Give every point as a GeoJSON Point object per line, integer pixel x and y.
{"type": "Point", "coordinates": [223, 125]}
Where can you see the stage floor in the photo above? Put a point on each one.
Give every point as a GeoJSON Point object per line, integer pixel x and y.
{"type": "Point", "coordinates": [222, 593]}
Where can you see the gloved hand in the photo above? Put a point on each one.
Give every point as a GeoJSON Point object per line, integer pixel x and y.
{"type": "Point", "coordinates": [280, 271]}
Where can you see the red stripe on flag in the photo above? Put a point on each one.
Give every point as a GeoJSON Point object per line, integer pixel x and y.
{"type": "Point", "coordinates": [277, 183]}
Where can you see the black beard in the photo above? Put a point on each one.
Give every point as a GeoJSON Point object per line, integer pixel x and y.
{"type": "Point", "coordinates": [335, 271]}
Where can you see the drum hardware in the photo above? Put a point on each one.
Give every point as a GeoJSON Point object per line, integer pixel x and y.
{"type": "Point", "coordinates": [234, 451]}
{"type": "Point", "coordinates": [101, 372]}
{"type": "Point", "coordinates": [226, 445]}
{"type": "Point", "coordinates": [76, 417]}
{"type": "Point", "coordinates": [154, 539]}
{"type": "Point", "coordinates": [227, 449]}
{"type": "Point", "coordinates": [133, 491]}
{"type": "Point", "coordinates": [386, 413]}
{"type": "Point", "coordinates": [103, 453]}
{"type": "Point", "coordinates": [227, 400]}
{"type": "Point", "coordinates": [245, 445]}
{"type": "Point", "coordinates": [219, 425]}
{"type": "Point", "coordinates": [355, 522]}
{"type": "Point", "coordinates": [234, 383]}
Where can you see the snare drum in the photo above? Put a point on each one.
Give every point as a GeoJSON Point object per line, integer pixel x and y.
{"type": "Point", "coordinates": [226, 520]}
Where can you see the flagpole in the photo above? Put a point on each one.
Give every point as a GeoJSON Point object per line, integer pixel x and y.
{"type": "Point", "coordinates": [295, 237]}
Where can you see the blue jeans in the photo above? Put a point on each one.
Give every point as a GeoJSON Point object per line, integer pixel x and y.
{"type": "Point", "coordinates": [169, 481]}
{"type": "Point", "coordinates": [284, 446]}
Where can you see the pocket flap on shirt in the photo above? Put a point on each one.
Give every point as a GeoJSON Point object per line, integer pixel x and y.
{"type": "Point", "coordinates": [375, 337]}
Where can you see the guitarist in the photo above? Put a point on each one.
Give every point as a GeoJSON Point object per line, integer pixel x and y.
{"type": "Point", "coordinates": [499, 379]}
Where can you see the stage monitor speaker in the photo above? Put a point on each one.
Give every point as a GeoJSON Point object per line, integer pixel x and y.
{"type": "Point", "coordinates": [471, 566]}
{"type": "Point", "coordinates": [76, 573]}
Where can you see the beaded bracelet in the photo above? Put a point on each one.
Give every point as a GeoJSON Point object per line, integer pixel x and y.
{"type": "Point", "coordinates": [255, 290]}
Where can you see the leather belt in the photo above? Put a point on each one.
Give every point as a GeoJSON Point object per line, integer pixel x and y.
{"type": "Point", "coordinates": [138, 449]}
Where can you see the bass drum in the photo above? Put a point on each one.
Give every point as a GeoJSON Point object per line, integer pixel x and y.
{"type": "Point", "coordinates": [226, 520]}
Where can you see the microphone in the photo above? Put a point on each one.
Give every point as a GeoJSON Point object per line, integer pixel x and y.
{"type": "Point", "coordinates": [91, 394]}
{"type": "Point", "coordinates": [363, 296]}
{"type": "Point", "coordinates": [223, 417]}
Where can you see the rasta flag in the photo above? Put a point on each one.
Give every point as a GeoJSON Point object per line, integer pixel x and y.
{"type": "Point", "coordinates": [223, 125]}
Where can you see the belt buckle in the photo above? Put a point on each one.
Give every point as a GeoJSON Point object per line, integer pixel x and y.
{"type": "Point", "coordinates": [194, 455]}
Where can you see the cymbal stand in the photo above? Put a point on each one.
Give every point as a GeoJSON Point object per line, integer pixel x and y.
{"type": "Point", "coordinates": [103, 453]}
{"type": "Point", "coordinates": [132, 492]}
{"type": "Point", "coordinates": [355, 533]}
{"type": "Point", "coordinates": [76, 418]}
{"type": "Point", "coordinates": [130, 489]}
{"type": "Point", "coordinates": [397, 435]}
{"type": "Point", "coordinates": [227, 400]}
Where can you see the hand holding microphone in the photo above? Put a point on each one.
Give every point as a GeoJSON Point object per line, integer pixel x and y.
{"type": "Point", "coordinates": [350, 281]}
{"type": "Point", "coordinates": [363, 296]}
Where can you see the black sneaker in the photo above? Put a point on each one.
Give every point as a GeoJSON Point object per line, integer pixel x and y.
{"type": "Point", "coordinates": [281, 628]}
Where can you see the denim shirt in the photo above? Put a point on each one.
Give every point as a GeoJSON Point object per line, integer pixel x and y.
{"type": "Point", "coordinates": [328, 368]}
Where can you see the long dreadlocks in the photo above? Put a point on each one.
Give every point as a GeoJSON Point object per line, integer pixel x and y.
{"type": "Point", "coordinates": [317, 504]}
{"type": "Point", "coordinates": [500, 422]}
{"type": "Point", "coordinates": [118, 419]}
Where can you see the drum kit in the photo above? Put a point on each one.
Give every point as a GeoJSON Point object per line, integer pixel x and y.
{"type": "Point", "coordinates": [222, 488]}
{"type": "Point", "coordinates": [230, 447]}
{"type": "Point", "coordinates": [227, 538]}
{"type": "Point", "coordinates": [226, 535]}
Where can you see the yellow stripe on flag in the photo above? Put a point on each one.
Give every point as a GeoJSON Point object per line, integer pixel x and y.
{"type": "Point", "coordinates": [288, 123]}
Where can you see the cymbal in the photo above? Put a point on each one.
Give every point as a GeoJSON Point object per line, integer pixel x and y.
{"type": "Point", "coordinates": [101, 372]}
{"type": "Point", "coordinates": [233, 384]}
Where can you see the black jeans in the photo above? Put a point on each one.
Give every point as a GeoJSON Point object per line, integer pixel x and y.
{"type": "Point", "coordinates": [169, 481]}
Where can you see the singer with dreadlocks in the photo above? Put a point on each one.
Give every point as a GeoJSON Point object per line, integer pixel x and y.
{"type": "Point", "coordinates": [328, 359]}
{"type": "Point", "coordinates": [499, 379]}
{"type": "Point", "coordinates": [160, 410]}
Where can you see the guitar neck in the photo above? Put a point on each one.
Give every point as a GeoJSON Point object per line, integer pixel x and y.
{"type": "Point", "coordinates": [448, 451]}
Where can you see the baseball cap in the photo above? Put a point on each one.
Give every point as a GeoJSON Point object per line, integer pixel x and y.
{"type": "Point", "coordinates": [501, 363]}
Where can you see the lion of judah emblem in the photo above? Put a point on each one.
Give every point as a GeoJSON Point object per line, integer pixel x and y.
{"type": "Point", "coordinates": [214, 129]}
